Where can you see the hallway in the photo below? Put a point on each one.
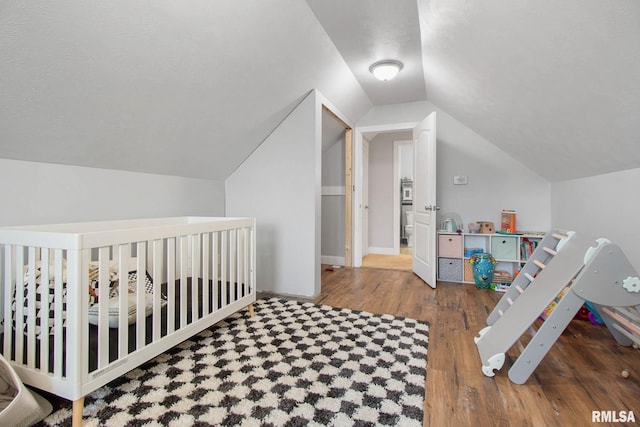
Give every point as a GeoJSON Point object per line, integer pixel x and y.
{"type": "Point", "coordinates": [390, 262]}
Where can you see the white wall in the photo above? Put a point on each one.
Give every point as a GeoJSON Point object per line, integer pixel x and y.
{"type": "Point", "coordinates": [601, 206]}
{"type": "Point", "coordinates": [496, 180]}
{"type": "Point", "coordinates": [406, 160]}
{"type": "Point", "coordinates": [279, 185]}
{"type": "Point", "coordinates": [44, 193]}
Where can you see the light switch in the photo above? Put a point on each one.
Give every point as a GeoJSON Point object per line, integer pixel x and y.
{"type": "Point", "coordinates": [460, 180]}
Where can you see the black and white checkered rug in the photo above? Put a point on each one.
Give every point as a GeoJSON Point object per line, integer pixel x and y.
{"type": "Point", "coordinates": [293, 364]}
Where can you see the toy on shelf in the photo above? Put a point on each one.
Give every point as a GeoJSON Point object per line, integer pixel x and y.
{"type": "Point", "coordinates": [482, 267]}
{"type": "Point", "coordinates": [486, 227]}
{"type": "Point", "coordinates": [569, 270]}
{"type": "Point", "coordinates": [508, 221]}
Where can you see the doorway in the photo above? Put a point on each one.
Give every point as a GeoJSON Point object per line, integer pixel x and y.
{"type": "Point", "coordinates": [336, 194]}
{"type": "Point", "coordinates": [423, 133]}
{"type": "Point", "coordinates": [387, 167]}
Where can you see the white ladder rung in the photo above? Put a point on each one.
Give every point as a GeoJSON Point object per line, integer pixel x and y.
{"type": "Point", "coordinates": [631, 326]}
{"type": "Point", "coordinates": [500, 312]}
{"type": "Point", "coordinates": [550, 251]}
{"type": "Point", "coordinates": [528, 276]}
{"type": "Point", "coordinates": [519, 289]}
{"type": "Point", "coordinates": [510, 301]}
{"type": "Point", "coordinates": [627, 313]}
{"type": "Point", "coordinates": [559, 236]}
{"type": "Point", "coordinates": [539, 264]}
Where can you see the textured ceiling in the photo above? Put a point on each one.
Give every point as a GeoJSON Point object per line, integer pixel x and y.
{"type": "Point", "coordinates": [366, 31]}
{"type": "Point", "coordinates": [191, 88]}
{"type": "Point", "coordinates": [176, 88]}
{"type": "Point", "coordinates": [554, 84]}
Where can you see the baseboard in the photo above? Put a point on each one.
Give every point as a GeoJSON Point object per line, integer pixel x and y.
{"type": "Point", "coordinates": [264, 295]}
{"type": "Point", "coordinates": [332, 260]}
{"type": "Point", "coordinates": [382, 251]}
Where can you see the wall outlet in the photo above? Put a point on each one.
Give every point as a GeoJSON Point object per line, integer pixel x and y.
{"type": "Point", "coordinates": [460, 180]}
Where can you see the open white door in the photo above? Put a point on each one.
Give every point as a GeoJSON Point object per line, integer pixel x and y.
{"type": "Point", "coordinates": [424, 200]}
{"type": "Point", "coordinates": [365, 198]}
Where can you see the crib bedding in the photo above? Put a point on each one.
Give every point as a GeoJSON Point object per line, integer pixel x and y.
{"type": "Point", "coordinates": [111, 290]}
{"type": "Point", "coordinates": [233, 291]}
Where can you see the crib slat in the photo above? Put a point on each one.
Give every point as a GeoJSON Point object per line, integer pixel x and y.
{"type": "Point", "coordinates": [44, 312]}
{"type": "Point", "coordinates": [232, 265]}
{"type": "Point", "coordinates": [8, 287]}
{"type": "Point", "coordinates": [206, 265]}
{"type": "Point", "coordinates": [184, 263]}
{"type": "Point", "coordinates": [240, 258]}
{"type": "Point", "coordinates": [157, 280]}
{"type": "Point", "coordinates": [252, 260]}
{"type": "Point", "coordinates": [103, 307]}
{"type": "Point", "coordinates": [58, 307]}
{"type": "Point", "coordinates": [20, 285]}
{"type": "Point", "coordinates": [3, 290]}
{"type": "Point", "coordinates": [224, 260]}
{"type": "Point", "coordinates": [141, 270]}
{"type": "Point", "coordinates": [195, 275]}
{"type": "Point", "coordinates": [171, 285]}
{"type": "Point", "coordinates": [245, 263]}
{"type": "Point", "coordinates": [31, 307]}
{"type": "Point", "coordinates": [123, 255]}
{"type": "Point", "coordinates": [215, 269]}
{"type": "Point", "coordinates": [238, 233]}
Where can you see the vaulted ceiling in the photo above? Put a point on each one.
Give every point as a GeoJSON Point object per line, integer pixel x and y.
{"type": "Point", "coordinates": [191, 88]}
{"type": "Point", "coordinates": [186, 88]}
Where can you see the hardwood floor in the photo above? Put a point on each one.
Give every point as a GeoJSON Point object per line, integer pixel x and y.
{"type": "Point", "coordinates": [580, 374]}
{"type": "Point", "coordinates": [393, 262]}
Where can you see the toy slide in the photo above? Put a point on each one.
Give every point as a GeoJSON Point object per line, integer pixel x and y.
{"type": "Point", "coordinates": [593, 270]}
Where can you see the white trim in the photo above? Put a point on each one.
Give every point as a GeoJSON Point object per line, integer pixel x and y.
{"type": "Point", "coordinates": [383, 251]}
{"type": "Point", "coordinates": [357, 175]}
{"type": "Point", "coordinates": [332, 260]}
{"type": "Point", "coordinates": [337, 190]}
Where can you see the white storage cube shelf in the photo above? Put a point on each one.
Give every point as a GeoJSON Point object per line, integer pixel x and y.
{"type": "Point", "coordinates": [454, 251]}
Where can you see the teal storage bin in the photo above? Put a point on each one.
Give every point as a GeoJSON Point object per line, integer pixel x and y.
{"type": "Point", "coordinates": [504, 248]}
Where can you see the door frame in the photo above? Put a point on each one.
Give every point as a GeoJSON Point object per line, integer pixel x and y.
{"type": "Point", "coordinates": [348, 186]}
{"type": "Point", "coordinates": [358, 180]}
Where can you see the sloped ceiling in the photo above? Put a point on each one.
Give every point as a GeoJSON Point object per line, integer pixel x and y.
{"type": "Point", "coordinates": [186, 88]}
{"type": "Point", "coordinates": [556, 84]}
{"type": "Point", "coordinates": [190, 88]}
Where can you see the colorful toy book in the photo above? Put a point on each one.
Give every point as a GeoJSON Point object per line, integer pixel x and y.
{"type": "Point", "coordinates": [508, 221]}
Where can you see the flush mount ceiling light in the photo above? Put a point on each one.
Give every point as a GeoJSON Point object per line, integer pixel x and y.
{"type": "Point", "coordinates": [386, 69]}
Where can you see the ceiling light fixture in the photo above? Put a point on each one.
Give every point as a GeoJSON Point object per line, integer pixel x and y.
{"type": "Point", "coordinates": [386, 69]}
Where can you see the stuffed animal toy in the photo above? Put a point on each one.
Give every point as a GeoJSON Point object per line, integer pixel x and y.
{"type": "Point", "coordinates": [486, 227]}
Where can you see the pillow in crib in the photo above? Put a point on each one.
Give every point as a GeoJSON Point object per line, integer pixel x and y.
{"type": "Point", "coordinates": [113, 285]}
{"type": "Point", "coordinates": [114, 309]}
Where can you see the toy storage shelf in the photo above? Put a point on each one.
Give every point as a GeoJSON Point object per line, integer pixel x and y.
{"type": "Point", "coordinates": [511, 252]}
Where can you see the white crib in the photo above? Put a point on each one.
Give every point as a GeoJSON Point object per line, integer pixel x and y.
{"type": "Point", "coordinates": [76, 331]}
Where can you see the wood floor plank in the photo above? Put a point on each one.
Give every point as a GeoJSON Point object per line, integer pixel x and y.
{"type": "Point", "coordinates": [580, 374]}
